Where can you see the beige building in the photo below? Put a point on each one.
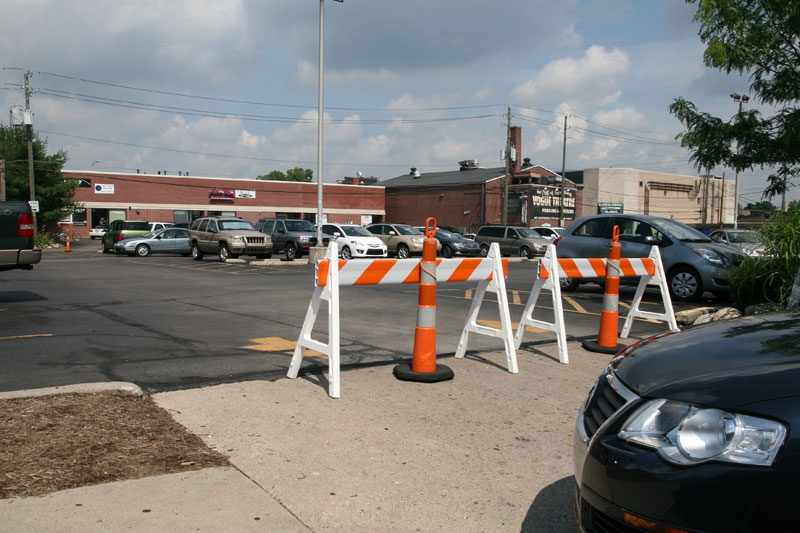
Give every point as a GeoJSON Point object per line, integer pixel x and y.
{"type": "Point", "coordinates": [693, 200]}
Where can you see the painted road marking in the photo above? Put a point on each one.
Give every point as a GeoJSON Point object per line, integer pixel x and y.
{"type": "Point", "coordinates": [515, 299]}
{"type": "Point", "coordinates": [578, 307]}
{"type": "Point", "coordinates": [26, 336]}
{"type": "Point", "coordinates": [514, 325]}
{"type": "Point", "coordinates": [278, 344]}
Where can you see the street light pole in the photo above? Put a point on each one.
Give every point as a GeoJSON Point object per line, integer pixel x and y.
{"type": "Point", "coordinates": [737, 98]}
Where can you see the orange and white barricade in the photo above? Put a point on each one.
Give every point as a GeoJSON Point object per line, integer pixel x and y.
{"type": "Point", "coordinates": [552, 270]}
{"type": "Point", "coordinates": [490, 272]}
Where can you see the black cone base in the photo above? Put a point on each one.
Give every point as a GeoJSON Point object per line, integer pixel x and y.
{"type": "Point", "coordinates": [592, 346]}
{"type": "Point", "coordinates": [403, 371]}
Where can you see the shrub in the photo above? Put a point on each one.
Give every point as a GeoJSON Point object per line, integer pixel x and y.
{"type": "Point", "coordinates": [770, 278]}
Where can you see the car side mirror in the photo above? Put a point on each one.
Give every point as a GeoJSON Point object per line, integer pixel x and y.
{"type": "Point", "coordinates": [651, 239]}
{"type": "Point", "coordinates": [337, 234]}
{"type": "Point", "coordinates": [159, 236]}
{"type": "Point", "coordinates": [281, 230]}
{"type": "Point", "coordinates": [212, 230]}
{"type": "Point", "coordinates": [392, 232]}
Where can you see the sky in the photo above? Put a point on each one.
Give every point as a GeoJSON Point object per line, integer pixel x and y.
{"type": "Point", "coordinates": [230, 87]}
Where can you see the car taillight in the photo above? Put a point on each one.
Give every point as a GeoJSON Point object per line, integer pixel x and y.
{"type": "Point", "coordinates": [556, 241]}
{"type": "Point", "coordinates": [121, 237]}
{"type": "Point", "coordinates": [25, 225]}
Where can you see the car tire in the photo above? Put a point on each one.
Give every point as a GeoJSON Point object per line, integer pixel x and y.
{"type": "Point", "coordinates": [484, 250]}
{"type": "Point", "coordinates": [290, 252]}
{"type": "Point", "coordinates": [525, 252]}
{"type": "Point", "coordinates": [224, 254]}
{"type": "Point", "coordinates": [402, 251]}
{"type": "Point", "coordinates": [447, 251]}
{"type": "Point", "coordinates": [197, 255]}
{"type": "Point", "coordinates": [347, 253]}
{"type": "Point", "coordinates": [142, 250]}
{"type": "Point", "coordinates": [569, 284]}
{"type": "Point", "coordinates": [684, 284]}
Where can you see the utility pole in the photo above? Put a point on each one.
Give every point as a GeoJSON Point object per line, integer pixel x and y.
{"type": "Point", "coordinates": [29, 127]}
{"type": "Point", "coordinates": [722, 203]}
{"type": "Point", "coordinates": [508, 167]}
{"type": "Point", "coordinates": [740, 98]}
{"type": "Point", "coordinates": [2, 180]}
{"type": "Point", "coordinates": [563, 174]}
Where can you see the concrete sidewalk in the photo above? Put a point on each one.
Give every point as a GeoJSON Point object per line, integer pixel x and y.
{"type": "Point", "coordinates": [487, 451]}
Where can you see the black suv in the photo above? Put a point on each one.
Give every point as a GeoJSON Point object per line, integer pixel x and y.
{"type": "Point", "coordinates": [292, 236]}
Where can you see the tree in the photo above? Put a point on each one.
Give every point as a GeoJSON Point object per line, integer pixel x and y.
{"type": "Point", "coordinates": [760, 38]}
{"type": "Point", "coordinates": [294, 174]}
{"type": "Point", "coordinates": [763, 205]}
{"type": "Point", "coordinates": [53, 192]}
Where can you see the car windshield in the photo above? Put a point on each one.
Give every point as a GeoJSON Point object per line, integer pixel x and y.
{"type": "Point", "coordinates": [446, 234]}
{"type": "Point", "coordinates": [356, 231]}
{"type": "Point", "coordinates": [235, 224]}
{"type": "Point", "coordinates": [299, 225]}
{"type": "Point", "coordinates": [745, 237]}
{"type": "Point", "coordinates": [403, 229]}
{"type": "Point", "coordinates": [678, 230]}
{"type": "Point", "coordinates": [528, 233]}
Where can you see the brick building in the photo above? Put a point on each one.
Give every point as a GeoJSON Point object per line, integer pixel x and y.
{"type": "Point", "coordinates": [108, 196]}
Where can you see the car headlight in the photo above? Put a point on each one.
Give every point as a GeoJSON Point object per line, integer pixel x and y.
{"type": "Point", "coordinates": [685, 435]}
{"type": "Point", "coordinates": [417, 241]}
{"type": "Point", "coordinates": [237, 240]}
{"type": "Point", "coordinates": [304, 238]}
{"type": "Point", "coordinates": [709, 255]}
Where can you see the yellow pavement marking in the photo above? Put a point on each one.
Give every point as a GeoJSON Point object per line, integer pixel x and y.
{"type": "Point", "coordinates": [468, 294]}
{"type": "Point", "coordinates": [515, 298]}
{"type": "Point", "coordinates": [277, 344]}
{"type": "Point", "coordinates": [496, 324]}
{"type": "Point", "coordinates": [623, 304]}
{"type": "Point", "coordinates": [578, 307]}
{"type": "Point", "coordinates": [26, 336]}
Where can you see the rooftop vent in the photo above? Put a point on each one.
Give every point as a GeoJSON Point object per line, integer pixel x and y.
{"type": "Point", "coordinates": [468, 164]}
{"type": "Point", "coordinates": [414, 172]}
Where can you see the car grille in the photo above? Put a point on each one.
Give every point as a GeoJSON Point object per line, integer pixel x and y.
{"type": "Point", "coordinates": [254, 240]}
{"type": "Point", "coordinates": [603, 403]}
{"type": "Point", "coordinates": [377, 252]}
{"type": "Point", "coordinates": [602, 523]}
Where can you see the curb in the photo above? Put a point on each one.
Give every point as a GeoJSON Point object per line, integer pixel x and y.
{"type": "Point", "coordinates": [120, 388]}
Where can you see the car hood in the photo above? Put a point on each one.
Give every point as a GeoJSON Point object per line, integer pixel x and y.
{"type": "Point", "coordinates": [721, 364]}
{"type": "Point", "coordinates": [750, 248]}
{"type": "Point", "coordinates": [729, 253]}
{"type": "Point", "coordinates": [364, 240]}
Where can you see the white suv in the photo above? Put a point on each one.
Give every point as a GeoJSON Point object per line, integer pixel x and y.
{"type": "Point", "coordinates": [355, 241]}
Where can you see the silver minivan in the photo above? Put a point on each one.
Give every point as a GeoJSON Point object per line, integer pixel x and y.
{"type": "Point", "coordinates": [693, 262]}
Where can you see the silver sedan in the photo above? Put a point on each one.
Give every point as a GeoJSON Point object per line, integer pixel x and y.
{"type": "Point", "coordinates": [167, 240]}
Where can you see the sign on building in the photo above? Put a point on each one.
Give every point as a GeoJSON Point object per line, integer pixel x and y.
{"type": "Point", "coordinates": [104, 188]}
{"type": "Point", "coordinates": [610, 208]}
{"type": "Point", "coordinates": [546, 202]}
{"type": "Point", "coordinates": [240, 193]}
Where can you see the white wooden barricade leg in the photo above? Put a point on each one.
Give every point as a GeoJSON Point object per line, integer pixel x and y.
{"type": "Point", "coordinates": [329, 292]}
{"type": "Point", "coordinates": [496, 285]}
{"type": "Point", "coordinates": [660, 279]}
{"type": "Point", "coordinates": [553, 284]}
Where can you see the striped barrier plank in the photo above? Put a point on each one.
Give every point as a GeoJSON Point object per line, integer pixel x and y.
{"type": "Point", "coordinates": [596, 268]}
{"type": "Point", "coordinates": [397, 271]}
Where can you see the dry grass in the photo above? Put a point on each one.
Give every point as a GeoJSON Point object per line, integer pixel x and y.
{"type": "Point", "coordinates": [59, 442]}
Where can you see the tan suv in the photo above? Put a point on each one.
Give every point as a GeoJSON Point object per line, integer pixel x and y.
{"type": "Point", "coordinates": [401, 240]}
{"type": "Point", "coordinates": [228, 238]}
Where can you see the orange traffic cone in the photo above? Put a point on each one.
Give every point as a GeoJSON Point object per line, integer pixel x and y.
{"type": "Point", "coordinates": [609, 319]}
{"type": "Point", "coordinates": [67, 248]}
{"type": "Point", "coordinates": [423, 366]}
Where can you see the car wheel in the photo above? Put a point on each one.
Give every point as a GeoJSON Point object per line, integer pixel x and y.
{"type": "Point", "coordinates": [569, 284]}
{"type": "Point", "coordinates": [402, 251]}
{"type": "Point", "coordinates": [346, 253]}
{"type": "Point", "coordinates": [446, 251]}
{"type": "Point", "coordinates": [142, 250]}
{"type": "Point", "coordinates": [290, 252]}
{"type": "Point", "coordinates": [197, 255]}
{"type": "Point", "coordinates": [484, 250]}
{"type": "Point", "coordinates": [685, 285]}
{"type": "Point", "coordinates": [525, 252]}
{"type": "Point", "coordinates": [224, 254]}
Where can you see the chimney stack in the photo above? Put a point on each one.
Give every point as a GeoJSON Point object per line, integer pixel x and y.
{"type": "Point", "coordinates": [516, 144]}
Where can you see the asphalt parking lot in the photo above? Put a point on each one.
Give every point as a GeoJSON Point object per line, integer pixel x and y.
{"type": "Point", "coordinates": [168, 322]}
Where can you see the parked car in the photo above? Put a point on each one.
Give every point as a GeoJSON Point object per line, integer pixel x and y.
{"type": "Point", "coordinates": [401, 240]}
{"type": "Point", "coordinates": [470, 236]}
{"type": "Point", "coordinates": [748, 242]}
{"type": "Point", "coordinates": [123, 229]}
{"type": "Point", "coordinates": [454, 244]}
{"type": "Point", "coordinates": [167, 240]}
{"type": "Point", "coordinates": [17, 249]}
{"type": "Point", "coordinates": [548, 232]}
{"type": "Point", "coordinates": [228, 238]}
{"type": "Point", "coordinates": [98, 231]}
{"type": "Point", "coordinates": [354, 241]}
{"type": "Point", "coordinates": [292, 236]}
{"type": "Point", "coordinates": [693, 262]}
{"type": "Point", "coordinates": [513, 240]}
{"type": "Point", "coordinates": [160, 225]}
{"type": "Point", "coordinates": [694, 431]}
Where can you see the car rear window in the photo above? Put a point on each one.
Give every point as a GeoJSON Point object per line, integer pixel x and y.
{"type": "Point", "coordinates": [136, 226]}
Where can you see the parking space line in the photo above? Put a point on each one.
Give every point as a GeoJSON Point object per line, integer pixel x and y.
{"type": "Point", "coordinates": [514, 325]}
{"type": "Point", "coordinates": [515, 299]}
{"type": "Point", "coordinates": [26, 336]}
{"type": "Point", "coordinates": [278, 344]}
{"type": "Point", "coordinates": [578, 307]}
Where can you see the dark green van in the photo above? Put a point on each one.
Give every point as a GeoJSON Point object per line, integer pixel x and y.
{"type": "Point", "coordinates": [124, 229]}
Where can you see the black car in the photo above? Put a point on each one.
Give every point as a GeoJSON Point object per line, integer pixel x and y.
{"type": "Point", "coordinates": [692, 431]}
{"type": "Point", "coordinates": [454, 244]}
